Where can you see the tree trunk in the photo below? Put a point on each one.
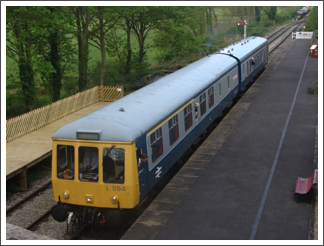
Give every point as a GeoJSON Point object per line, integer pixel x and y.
{"type": "Point", "coordinates": [102, 47]}
{"type": "Point", "coordinates": [56, 77]}
{"type": "Point", "coordinates": [214, 14]}
{"type": "Point", "coordinates": [129, 48]}
{"type": "Point", "coordinates": [141, 44]}
{"type": "Point", "coordinates": [83, 46]}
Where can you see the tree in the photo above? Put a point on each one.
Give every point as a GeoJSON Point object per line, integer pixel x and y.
{"type": "Point", "coordinates": [257, 14]}
{"type": "Point", "coordinates": [271, 12]}
{"type": "Point", "coordinates": [53, 46]}
{"type": "Point", "coordinates": [146, 19]}
{"type": "Point", "coordinates": [107, 18]}
{"type": "Point", "coordinates": [312, 23]}
{"type": "Point", "coordinates": [19, 48]}
{"type": "Point", "coordinates": [82, 19]}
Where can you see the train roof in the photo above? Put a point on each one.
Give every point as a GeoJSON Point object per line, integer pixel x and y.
{"type": "Point", "coordinates": [244, 48]}
{"type": "Point", "coordinates": [139, 112]}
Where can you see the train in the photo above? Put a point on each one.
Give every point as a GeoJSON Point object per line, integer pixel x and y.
{"type": "Point", "coordinates": [133, 142]}
{"type": "Point", "coordinates": [302, 12]}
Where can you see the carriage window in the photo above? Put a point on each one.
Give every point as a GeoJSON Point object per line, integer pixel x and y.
{"type": "Point", "coordinates": [187, 117]}
{"type": "Point", "coordinates": [156, 144]}
{"type": "Point", "coordinates": [210, 97]}
{"type": "Point", "coordinates": [113, 165]}
{"type": "Point", "coordinates": [202, 100]}
{"type": "Point", "coordinates": [220, 89]}
{"type": "Point", "coordinates": [173, 129]}
{"type": "Point", "coordinates": [88, 164]}
{"type": "Point", "coordinates": [65, 162]}
{"type": "Point", "coordinates": [228, 83]}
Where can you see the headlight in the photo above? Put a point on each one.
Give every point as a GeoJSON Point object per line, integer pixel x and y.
{"type": "Point", "coordinates": [66, 194]}
{"type": "Point", "coordinates": [89, 198]}
{"type": "Point", "coordinates": [114, 199]}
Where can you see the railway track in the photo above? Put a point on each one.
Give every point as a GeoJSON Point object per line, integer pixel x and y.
{"type": "Point", "coordinates": [25, 206]}
{"type": "Point", "coordinates": [276, 38]}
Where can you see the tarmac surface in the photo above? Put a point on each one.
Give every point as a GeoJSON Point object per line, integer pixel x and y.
{"type": "Point", "coordinates": [239, 184]}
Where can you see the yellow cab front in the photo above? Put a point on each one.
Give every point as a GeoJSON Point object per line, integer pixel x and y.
{"type": "Point", "coordinates": [88, 173]}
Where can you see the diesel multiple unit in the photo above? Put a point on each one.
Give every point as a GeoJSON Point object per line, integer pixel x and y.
{"type": "Point", "coordinates": [97, 170]}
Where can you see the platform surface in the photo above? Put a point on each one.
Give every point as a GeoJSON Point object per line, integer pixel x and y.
{"type": "Point", "coordinates": [239, 184]}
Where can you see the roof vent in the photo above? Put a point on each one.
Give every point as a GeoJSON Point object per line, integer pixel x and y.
{"type": "Point", "coordinates": [232, 49]}
{"type": "Point", "coordinates": [241, 43]}
{"type": "Point", "coordinates": [121, 110]}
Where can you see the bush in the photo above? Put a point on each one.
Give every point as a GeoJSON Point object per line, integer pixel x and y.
{"type": "Point", "coordinates": [175, 41]}
{"type": "Point", "coordinates": [15, 104]}
{"type": "Point", "coordinates": [236, 29]}
{"type": "Point", "coordinates": [70, 85]}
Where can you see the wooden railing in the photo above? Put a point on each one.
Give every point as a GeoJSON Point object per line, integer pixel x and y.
{"type": "Point", "coordinates": [110, 93]}
{"type": "Point", "coordinates": [33, 120]}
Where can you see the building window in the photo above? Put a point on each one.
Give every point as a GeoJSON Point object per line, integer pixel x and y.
{"type": "Point", "coordinates": [210, 97]}
{"type": "Point", "coordinates": [156, 144]}
{"type": "Point", "coordinates": [202, 100]}
{"type": "Point", "coordinates": [187, 117]}
{"type": "Point", "coordinates": [173, 129]}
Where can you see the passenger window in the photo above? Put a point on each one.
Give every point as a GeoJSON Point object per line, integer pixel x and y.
{"type": "Point", "coordinates": [88, 164]}
{"type": "Point", "coordinates": [113, 165]}
{"type": "Point", "coordinates": [228, 83]}
{"type": "Point", "coordinates": [202, 100]}
{"type": "Point", "coordinates": [187, 117]}
{"type": "Point", "coordinates": [156, 144]}
{"type": "Point", "coordinates": [65, 162]}
{"type": "Point", "coordinates": [173, 129]}
{"type": "Point", "coordinates": [220, 89]}
{"type": "Point", "coordinates": [210, 97]}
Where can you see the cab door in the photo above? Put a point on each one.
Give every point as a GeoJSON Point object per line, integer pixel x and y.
{"type": "Point", "coordinates": [197, 116]}
{"type": "Point", "coordinates": [142, 174]}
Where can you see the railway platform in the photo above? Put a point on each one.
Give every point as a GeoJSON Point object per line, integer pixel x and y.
{"type": "Point", "coordinates": [239, 184]}
{"type": "Point", "coordinates": [17, 233]}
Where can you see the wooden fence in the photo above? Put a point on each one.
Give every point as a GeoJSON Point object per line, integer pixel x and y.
{"type": "Point", "coordinates": [33, 120]}
{"type": "Point", "coordinates": [110, 93]}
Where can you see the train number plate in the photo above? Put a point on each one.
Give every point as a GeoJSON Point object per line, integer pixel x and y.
{"type": "Point", "coordinates": [115, 188]}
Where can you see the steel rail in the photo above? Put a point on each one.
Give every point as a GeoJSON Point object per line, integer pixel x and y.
{"type": "Point", "coordinates": [14, 207]}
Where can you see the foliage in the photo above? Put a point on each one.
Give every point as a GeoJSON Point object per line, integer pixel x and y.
{"type": "Point", "coordinates": [312, 23]}
{"type": "Point", "coordinates": [271, 12]}
{"type": "Point", "coordinates": [14, 103]}
{"type": "Point", "coordinates": [70, 85]}
{"type": "Point", "coordinates": [58, 51]}
{"type": "Point", "coordinates": [172, 41]}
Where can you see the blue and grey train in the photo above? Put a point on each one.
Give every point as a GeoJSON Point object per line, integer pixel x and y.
{"type": "Point", "coordinates": [159, 120]}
